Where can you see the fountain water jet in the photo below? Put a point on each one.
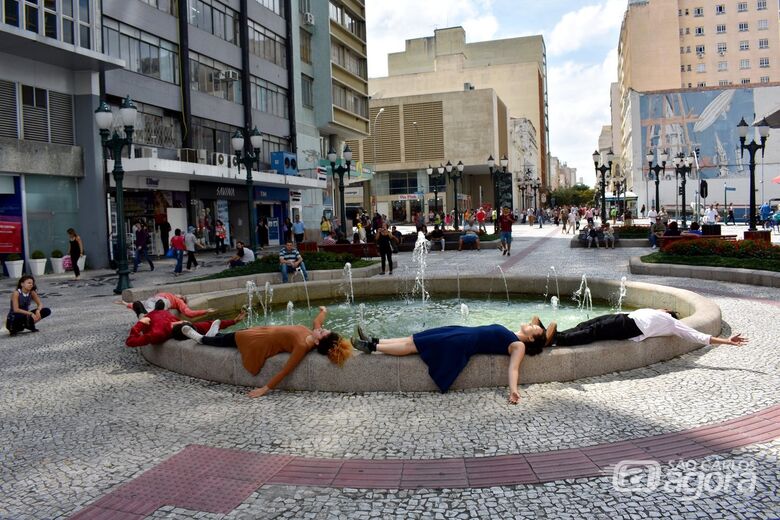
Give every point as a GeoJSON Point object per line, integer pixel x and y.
{"type": "Point", "coordinates": [420, 258]}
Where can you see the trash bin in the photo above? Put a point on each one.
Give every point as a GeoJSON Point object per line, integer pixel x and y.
{"type": "Point", "coordinates": [710, 229]}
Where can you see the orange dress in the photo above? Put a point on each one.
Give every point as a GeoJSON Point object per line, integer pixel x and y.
{"type": "Point", "coordinates": [257, 344]}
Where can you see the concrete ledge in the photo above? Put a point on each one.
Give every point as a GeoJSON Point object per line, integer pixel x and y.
{"type": "Point", "coordinates": [621, 242]}
{"type": "Point", "coordinates": [720, 274]}
{"type": "Point", "coordinates": [377, 372]}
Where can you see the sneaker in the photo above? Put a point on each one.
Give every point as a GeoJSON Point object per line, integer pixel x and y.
{"type": "Point", "coordinates": [192, 333]}
{"type": "Point", "coordinates": [361, 333]}
{"type": "Point", "coordinates": [654, 247]}
{"type": "Point", "coordinates": [362, 345]}
{"type": "Point", "coordinates": [213, 329]}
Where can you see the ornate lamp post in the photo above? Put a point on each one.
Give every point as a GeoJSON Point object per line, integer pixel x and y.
{"type": "Point", "coordinates": [248, 159]}
{"type": "Point", "coordinates": [434, 181]}
{"type": "Point", "coordinates": [454, 175]}
{"type": "Point", "coordinates": [104, 118]}
{"type": "Point", "coordinates": [340, 171]}
{"type": "Point", "coordinates": [683, 168]}
{"type": "Point", "coordinates": [535, 185]}
{"type": "Point", "coordinates": [604, 169]}
{"type": "Point", "coordinates": [657, 170]}
{"type": "Point", "coordinates": [752, 148]}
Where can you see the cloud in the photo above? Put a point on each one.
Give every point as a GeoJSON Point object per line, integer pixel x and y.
{"type": "Point", "coordinates": [579, 107]}
{"type": "Point", "coordinates": [587, 25]}
{"type": "Point", "coordinates": [389, 24]}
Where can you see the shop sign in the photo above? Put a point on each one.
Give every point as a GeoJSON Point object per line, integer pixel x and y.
{"type": "Point", "coordinates": [213, 191]}
{"type": "Point", "coordinates": [226, 192]}
{"type": "Point", "coordinates": [152, 182]}
{"type": "Point", "coordinates": [10, 235]}
{"type": "Point", "coordinates": [266, 193]}
{"type": "Point", "coordinates": [408, 196]}
{"type": "Point", "coordinates": [354, 192]}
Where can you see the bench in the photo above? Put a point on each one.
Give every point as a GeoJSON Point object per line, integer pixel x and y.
{"type": "Point", "coordinates": [357, 250]}
{"type": "Point", "coordinates": [583, 238]}
{"type": "Point", "coordinates": [666, 242]}
{"type": "Point", "coordinates": [307, 247]}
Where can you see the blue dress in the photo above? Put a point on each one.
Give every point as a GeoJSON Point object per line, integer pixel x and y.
{"type": "Point", "coordinates": [446, 350]}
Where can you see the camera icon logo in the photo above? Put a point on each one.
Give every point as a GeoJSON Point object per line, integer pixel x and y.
{"type": "Point", "coordinates": [631, 476]}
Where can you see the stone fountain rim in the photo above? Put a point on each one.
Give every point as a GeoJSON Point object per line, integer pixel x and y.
{"type": "Point", "coordinates": [387, 373]}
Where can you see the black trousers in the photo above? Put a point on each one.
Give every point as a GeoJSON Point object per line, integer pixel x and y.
{"type": "Point", "coordinates": [386, 255]}
{"type": "Point", "coordinates": [611, 326]}
{"type": "Point", "coordinates": [17, 322]}
{"type": "Point", "coordinates": [221, 340]}
{"type": "Point", "coordinates": [191, 260]}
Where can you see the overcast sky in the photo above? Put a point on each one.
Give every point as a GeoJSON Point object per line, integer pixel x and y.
{"type": "Point", "coordinates": [581, 38]}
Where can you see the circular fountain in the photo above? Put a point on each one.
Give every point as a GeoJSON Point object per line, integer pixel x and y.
{"type": "Point", "coordinates": [387, 373]}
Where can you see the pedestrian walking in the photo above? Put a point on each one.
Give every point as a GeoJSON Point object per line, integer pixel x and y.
{"type": "Point", "coordinates": [177, 243]}
{"type": "Point", "coordinates": [190, 242]}
{"type": "Point", "coordinates": [384, 240]}
{"type": "Point", "coordinates": [142, 239]}
{"type": "Point", "coordinates": [299, 230]}
{"type": "Point", "coordinates": [221, 234]}
{"type": "Point", "coordinates": [76, 249]}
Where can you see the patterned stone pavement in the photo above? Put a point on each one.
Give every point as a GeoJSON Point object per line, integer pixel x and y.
{"type": "Point", "coordinates": [82, 416]}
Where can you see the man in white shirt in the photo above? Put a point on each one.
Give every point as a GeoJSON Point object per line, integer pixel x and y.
{"type": "Point", "coordinates": [243, 256]}
{"type": "Point", "coordinates": [470, 235]}
{"type": "Point", "coordinates": [637, 326]}
{"type": "Point", "coordinates": [651, 215]}
{"type": "Point", "coordinates": [710, 216]}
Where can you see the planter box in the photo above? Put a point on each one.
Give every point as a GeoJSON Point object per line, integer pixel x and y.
{"type": "Point", "coordinates": [37, 266]}
{"type": "Point", "coordinates": [56, 265]}
{"type": "Point", "coordinates": [759, 236]}
{"type": "Point", "coordinates": [15, 268]}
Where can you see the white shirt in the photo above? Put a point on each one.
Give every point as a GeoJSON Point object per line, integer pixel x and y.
{"type": "Point", "coordinates": [249, 255]}
{"type": "Point", "coordinates": [654, 323]}
{"type": "Point", "coordinates": [652, 214]}
{"type": "Point", "coordinates": [710, 216]}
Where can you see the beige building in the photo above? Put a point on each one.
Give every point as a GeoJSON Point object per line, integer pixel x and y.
{"type": "Point", "coordinates": [412, 132]}
{"type": "Point", "coordinates": [515, 68]}
{"type": "Point", "coordinates": [524, 154]}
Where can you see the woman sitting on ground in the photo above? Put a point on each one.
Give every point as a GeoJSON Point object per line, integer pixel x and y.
{"type": "Point", "coordinates": [257, 344]}
{"type": "Point", "coordinates": [20, 316]}
{"type": "Point", "coordinates": [446, 350]}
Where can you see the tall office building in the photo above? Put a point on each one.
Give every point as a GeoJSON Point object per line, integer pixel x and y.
{"type": "Point", "coordinates": [687, 72]}
{"type": "Point", "coordinates": [198, 71]}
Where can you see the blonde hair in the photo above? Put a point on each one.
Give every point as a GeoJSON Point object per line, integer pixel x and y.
{"type": "Point", "coordinates": [341, 352]}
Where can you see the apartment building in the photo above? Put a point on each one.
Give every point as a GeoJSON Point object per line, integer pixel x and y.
{"type": "Point", "coordinates": [516, 68]}
{"type": "Point", "coordinates": [687, 72]}
{"type": "Point", "coordinates": [198, 71]}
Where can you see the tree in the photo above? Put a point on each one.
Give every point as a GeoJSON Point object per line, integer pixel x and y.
{"type": "Point", "coordinates": [577, 195]}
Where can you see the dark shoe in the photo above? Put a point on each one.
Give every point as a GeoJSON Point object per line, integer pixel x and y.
{"type": "Point", "coordinates": [33, 329]}
{"type": "Point", "coordinates": [152, 268]}
{"type": "Point", "coordinates": [503, 252]}
{"type": "Point", "coordinates": [508, 253]}
{"type": "Point", "coordinates": [361, 333]}
{"type": "Point", "coordinates": [364, 346]}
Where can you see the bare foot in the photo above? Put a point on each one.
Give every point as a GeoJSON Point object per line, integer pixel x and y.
{"type": "Point", "coordinates": [241, 315]}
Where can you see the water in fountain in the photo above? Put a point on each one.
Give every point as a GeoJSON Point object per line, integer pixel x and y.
{"type": "Point", "coordinates": [579, 294]}
{"type": "Point", "coordinates": [464, 312]}
{"type": "Point", "coordinates": [458, 272]}
{"type": "Point", "coordinates": [265, 301]}
{"type": "Point", "coordinates": [587, 301]}
{"type": "Point", "coordinates": [420, 258]}
{"type": "Point", "coordinates": [506, 288]}
{"type": "Point", "coordinates": [306, 290]}
{"type": "Point", "coordinates": [554, 302]}
{"type": "Point", "coordinates": [346, 283]}
{"type": "Point", "coordinates": [621, 294]}
{"type": "Point", "coordinates": [290, 312]}
{"type": "Point", "coordinates": [557, 289]}
{"type": "Point", "coordinates": [251, 288]}
{"type": "Point", "coordinates": [361, 314]}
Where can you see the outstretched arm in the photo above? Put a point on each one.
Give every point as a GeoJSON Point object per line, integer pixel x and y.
{"type": "Point", "coordinates": [736, 339]}
{"type": "Point", "coordinates": [516, 355]}
{"type": "Point", "coordinates": [320, 319]}
{"type": "Point", "coordinates": [296, 356]}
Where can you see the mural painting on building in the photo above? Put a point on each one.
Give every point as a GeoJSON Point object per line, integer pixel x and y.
{"type": "Point", "coordinates": [682, 122]}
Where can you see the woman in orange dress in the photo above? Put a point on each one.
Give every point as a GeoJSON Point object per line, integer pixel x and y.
{"type": "Point", "coordinates": [257, 344]}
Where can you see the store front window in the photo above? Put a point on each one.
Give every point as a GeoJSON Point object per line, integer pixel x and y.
{"type": "Point", "coordinates": [399, 211]}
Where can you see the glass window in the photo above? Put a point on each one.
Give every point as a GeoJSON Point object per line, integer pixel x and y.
{"type": "Point", "coordinates": [31, 16]}
{"type": "Point", "coordinates": [763, 63]}
{"type": "Point", "coordinates": [723, 65]}
{"type": "Point", "coordinates": [272, 5]}
{"type": "Point", "coordinates": [761, 5]}
{"type": "Point", "coordinates": [699, 31]}
{"type": "Point", "coordinates": [764, 79]}
{"type": "Point", "coordinates": [267, 44]}
{"type": "Point", "coordinates": [700, 67]}
{"type": "Point", "coordinates": [745, 81]}
{"type": "Point", "coordinates": [305, 46]}
{"type": "Point", "coordinates": [67, 7]}
{"type": "Point", "coordinates": [744, 64]}
{"type": "Point", "coordinates": [743, 27]}
{"type": "Point", "coordinates": [722, 47]}
{"type": "Point", "coordinates": [307, 91]}
{"type": "Point", "coordinates": [763, 43]}
{"type": "Point", "coordinates": [67, 31]}
{"type": "Point", "coordinates": [744, 45]}
{"type": "Point", "coordinates": [720, 9]}
{"type": "Point", "coordinates": [50, 24]}
{"type": "Point", "coordinates": [720, 29]}
{"type": "Point", "coordinates": [700, 49]}
{"type": "Point", "coordinates": [12, 12]}
{"type": "Point", "coordinates": [84, 11]}
{"type": "Point", "coordinates": [742, 7]}
{"type": "Point", "coordinates": [143, 53]}
{"type": "Point", "coordinates": [763, 25]}
{"type": "Point", "coordinates": [698, 11]}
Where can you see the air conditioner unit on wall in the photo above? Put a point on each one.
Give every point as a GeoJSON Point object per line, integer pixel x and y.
{"type": "Point", "coordinates": [202, 156]}
{"type": "Point", "coordinates": [144, 152]}
{"type": "Point", "coordinates": [284, 163]}
{"type": "Point", "coordinates": [187, 155]}
{"type": "Point", "coordinates": [222, 159]}
{"type": "Point", "coordinates": [308, 18]}
{"type": "Point", "coordinates": [227, 75]}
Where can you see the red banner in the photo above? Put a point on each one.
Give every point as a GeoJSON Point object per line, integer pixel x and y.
{"type": "Point", "coordinates": [10, 235]}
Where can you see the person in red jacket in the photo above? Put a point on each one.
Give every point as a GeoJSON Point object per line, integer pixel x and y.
{"type": "Point", "coordinates": [159, 326]}
{"type": "Point", "coordinates": [170, 301]}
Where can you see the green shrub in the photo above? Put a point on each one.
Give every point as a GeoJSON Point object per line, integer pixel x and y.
{"type": "Point", "coordinates": [632, 231]}
{"type": "Point", "coordinates": [725, 248]}
{"type": "Point", "coordinates": [37, 255]}
{"type": "Point", "coordinates": [13, 257]}
{"type": "Point", "coordinates": [56, 253]}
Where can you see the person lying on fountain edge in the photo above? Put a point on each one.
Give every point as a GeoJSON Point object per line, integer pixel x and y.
{"type": "Point", "coordinates": [446, 350]}
{"type": "Point", "coordinates": [257, 344]}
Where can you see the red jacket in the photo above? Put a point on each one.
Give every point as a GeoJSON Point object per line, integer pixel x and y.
{"type": "Point", "coordinates": [159, 329]}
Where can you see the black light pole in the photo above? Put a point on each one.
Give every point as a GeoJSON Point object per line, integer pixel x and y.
{"type": "Point", "coordinates": [603, 169]}
{"type": "Point", "coordinates": [752, 148]}
{"type": "Point", "coordinates": [454, 174]}
{"type": "Point", "coordinates": [434, 181]}
{"type": "Point", "coordinates": [340, 171]}
{"type": "Point", "coordinates": [535, 185]}
{"type": "Point", "coordinates": [104, 118]}
{"type": "Point", "coordinates": [657, 170]}
{"type": "Point", "coordinates": [682, 168]}
{"type": "Point", "coordinates": [248, 159]}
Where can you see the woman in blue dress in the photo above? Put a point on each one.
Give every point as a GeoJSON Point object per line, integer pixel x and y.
{"type": "Point", "coordinates": [447, 350]}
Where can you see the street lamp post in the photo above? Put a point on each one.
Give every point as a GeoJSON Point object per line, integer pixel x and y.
{"type": "Point", "coordinates": [657, 170]}
{"type": "Point", "coordinates": [683, 168]}
{"type": "Point", "coordinates": [104, 118]}
{"type": "Point", "coordinates": [454, 175]}
{"type": "Point", "coordinates": [248, 159]}
{"type": "Point", "coordinates": [752, 148]}
{"type": "Point", "coordinates": [340, 171]}
{"type": "Point", "coordinates": [604, 169]}
{"type": "Point", "coordinates": [495, 176]}
{"type": "Point", "coordinates": [434, 181]}
{"type": "Point", "coordinates": [535, 185]}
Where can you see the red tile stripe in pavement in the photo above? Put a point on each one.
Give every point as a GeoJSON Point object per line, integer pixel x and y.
{"type": "Point", "coordinates": [217, 480]}
{"type": "Point", "coordinates": [527, 250]}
